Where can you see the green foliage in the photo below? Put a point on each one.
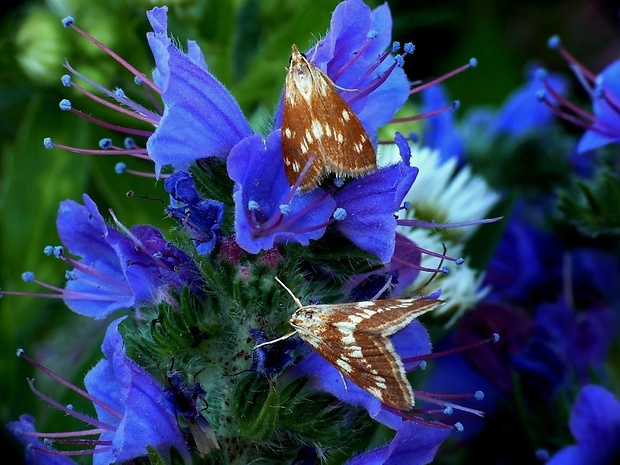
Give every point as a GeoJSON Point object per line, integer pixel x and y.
{"type": "Point", "coordinates": [593, 206]}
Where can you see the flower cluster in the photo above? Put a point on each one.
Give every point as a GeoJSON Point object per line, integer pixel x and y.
{"type": "Point", "coordinates": [199, 364]}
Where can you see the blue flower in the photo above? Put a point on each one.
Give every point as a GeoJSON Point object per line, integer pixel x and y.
{"type": "Point", "coordinates": [117, 271]}
{"type": "Point", "coordinates": [200, 119]}
{"type": "Point", "coordinates": [267, 211]}
{"type": "Point", "coordinates": [522, 112]}
{"type": "Point", "coordinates": [201, 217]}
{"type": "Point", "coordinates": [595, 424]}
{"type": "Point", "coordinates": [606, 127]}
{"type": "Point", "coordinates": [133, 412]}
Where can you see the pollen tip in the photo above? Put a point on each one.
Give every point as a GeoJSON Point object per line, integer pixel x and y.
{"type": "Point", "coordinates": [448, 410]}
{"type": "Point", "coordinates": [540, 74]}
{"type": "Point", "coordinates": [129, 143]}
{"type": "Point", "coordinates": [422, 365]}
{"type": "Point", "coordinates": [456, 105]}
{"type": "Point", "coordinates": [395, 46]}
{"type": "Point", "coordinates": [445, 270]}
{"type": "Point", "coordinates": [478, 395]}
{"type": "Point", "coordinates": [105, 143]}
{"type": "Point", "coordinates": [253, 205]}
{"type": "Point", "coordinates": [120, 167]}
{"type": "Point", "coordinates": [65, 79]}
{"type": "Point", "coordinates": [68, 21]}
{"type": "Point", "coordinates": [409, 47]}
{"type": "Point", "coordinates": [372, 34]}
{"type": "Point", "coordinates": [285, 209]}
{"type": "Point", "coordinates": [495, 337]}
{"type": "Point", "coordinates": [554, 42]}
{"type": "Point", "coordinates": [473, 62]}
{"type": "Point", "coordinates": [339, 214]}
{"type": "Point", "coordinates": [47, 143]}
{"type": "Point", "coordinates": [459, 426]}
{"type": "Point", "coordinates": [459, 261]}
{"type": "Point", "coordinates": [400, 61]}
{"type": "Point", "coordinates": [48, 250]}
{"type": "Point", "coordinates": [28, 276]}
{"type": "Point", "coordinates": [65, 104]}
{"type": "Point", "coordinates": [20, 352]}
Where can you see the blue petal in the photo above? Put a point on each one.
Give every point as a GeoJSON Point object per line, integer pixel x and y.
{"type": "Point", "coordinates": [595, 424]}
{"type": "Point", "coordinates": [414, 444]}
{"type": "Point", "coordinates": [201, 118]}
{"type": "Point", "coordinates": [83, 232]}
{"type": "Point", "coordinates": [148, 418]}
{"type": "Point", "coordinates": [523, 112]}
{"type": "Point", "coordinates": [609, 117]}
{"type": "Point", "coordinates": [370, 203]}
{"type": "Point", "coordinates": [258, 171]}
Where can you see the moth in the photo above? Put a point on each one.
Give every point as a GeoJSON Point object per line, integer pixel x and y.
{"type": "Point", "coordinates": [318, 124]}
{"type": "Point", "coordinates": [355, 338]}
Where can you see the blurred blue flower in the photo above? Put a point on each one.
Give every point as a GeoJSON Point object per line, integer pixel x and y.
{"type": "Point", "coordinates": [595, 424]}
{"type": "Point", "coordinates": [606, 107]}
{"type": "Point", "coordinates": [38, 452]}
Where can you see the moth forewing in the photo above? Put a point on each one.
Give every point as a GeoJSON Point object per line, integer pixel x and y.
{"type": "Point", "coordinates": [317, 121]}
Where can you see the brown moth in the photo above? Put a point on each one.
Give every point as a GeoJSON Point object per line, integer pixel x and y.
{"type": "Point", "coordinates": [354, 338]}
{"type": "Point", "coordinates": [316, 121]}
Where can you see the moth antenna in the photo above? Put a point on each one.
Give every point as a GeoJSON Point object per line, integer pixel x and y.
{"type": "Point", "coordinates": [281, 338]}
{"type": "Point", "coordinates": [383, 289]}
{"type": "Point", "coordinates": [297, 301]}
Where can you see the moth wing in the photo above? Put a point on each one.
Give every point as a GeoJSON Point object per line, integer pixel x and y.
{"type": "Point", "coordinates": [368, 361]}
{"type": "Point", "coordinates": [296, 119]}
{"type": "Point", "coordinates": [348, 149]}
{"type": "Point", "coordinates": [384, 317]}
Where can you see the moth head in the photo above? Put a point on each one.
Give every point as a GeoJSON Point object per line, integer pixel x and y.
{"type": "Point", "coordinates": [302, 317]}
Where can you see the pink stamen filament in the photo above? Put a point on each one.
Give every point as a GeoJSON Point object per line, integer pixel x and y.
{"type": "Point", "coordinates": [116, 57]}
{"type": "Point", "coordinates": [114, 106]}
{"type": "Point", "coordinates": [415, 266]}
{"type": "Point", "coordinates": [68, 434]}
{"type": "Point", "coordinates": [136, 153]}
{"type": "Point", "coordinates": [80, 416]}
{"type": "Point", "coordinates": [113, 127]}
{"type": "Point", "coordinates": [442, 78]}
{"type": "Point", "coordinates": [421, 116]}
{"type": "Point", "coordinates": [430, 224]}
{"type": "Point", "coordinates": [74, 388]}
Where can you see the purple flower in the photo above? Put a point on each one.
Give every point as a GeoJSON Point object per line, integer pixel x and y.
{"type": "Point", "coordinates": [267, 211]}
{"type": "Point", "coordinates": [202, 218]}
{"type": "Point", "coordinates": [595, 424]}
{"type": "Point", "coordinates": [133, 412]}
{"type": "Point", "coordinates": [200, 119]}
{"type": "Point", "coordinates": [116, 270]}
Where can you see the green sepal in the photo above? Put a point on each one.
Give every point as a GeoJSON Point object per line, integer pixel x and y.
{"type": "Point", "coordinates": [255, 407]}
{"type": "Point", "coordinates": [591, 206]}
